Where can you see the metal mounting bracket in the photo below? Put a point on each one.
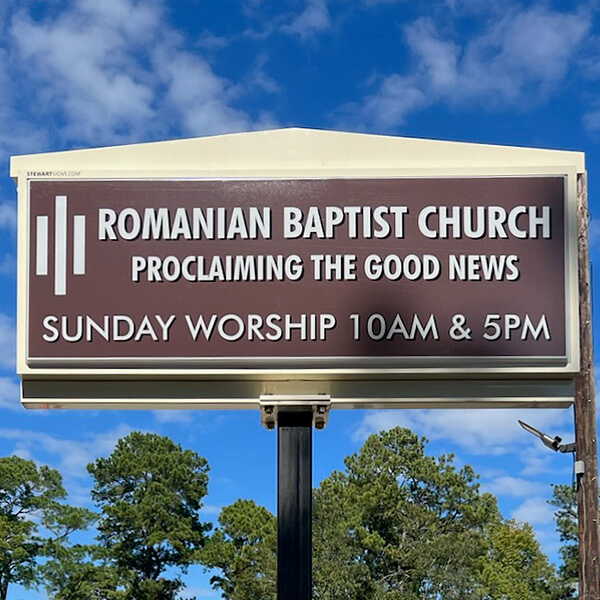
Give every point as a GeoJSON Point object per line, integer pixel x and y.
{"type": "Point", "coordinates": [272, 404]}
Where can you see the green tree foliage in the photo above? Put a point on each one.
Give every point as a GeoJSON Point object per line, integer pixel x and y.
{"type": "Point", "coordinates": [514, 567]}
{"type": "Point", "coordinates": [564, 498]}
{"type": "Point", "coordinates": [396, 524]}
{"type": "Point", "coordinates": [244, 549]}
{"type": "Point", "coordinates": [150, 492]}
{"type": "Point", "coordinates": [27, 492]}
{"type": "Point", "coordinates": [75, 571]}
{"type": "Point", "coordinates": [412, 525]}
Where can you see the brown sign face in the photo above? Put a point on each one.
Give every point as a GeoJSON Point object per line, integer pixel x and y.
{"type": "Point", "coordinates": [306, 273]}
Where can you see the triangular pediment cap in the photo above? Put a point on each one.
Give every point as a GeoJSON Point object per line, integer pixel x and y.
{"type": "Point", "coordinates": [297, 150]}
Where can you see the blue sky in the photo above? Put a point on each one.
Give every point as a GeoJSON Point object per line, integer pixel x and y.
{"type": "Point", "coordinates": [86, 73]}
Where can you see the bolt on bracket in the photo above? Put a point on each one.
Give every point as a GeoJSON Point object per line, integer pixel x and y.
{"type": "Point", "coordinates": [272, 404]}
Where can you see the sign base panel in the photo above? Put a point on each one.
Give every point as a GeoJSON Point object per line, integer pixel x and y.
{"type": "Point", "coordinates": [128, 394]}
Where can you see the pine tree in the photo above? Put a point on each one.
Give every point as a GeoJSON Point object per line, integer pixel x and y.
{"type": "Point", "coordinates": [150, 493]}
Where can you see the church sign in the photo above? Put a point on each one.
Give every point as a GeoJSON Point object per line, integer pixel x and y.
{"type": "Point", "coordinates": [326, 276]}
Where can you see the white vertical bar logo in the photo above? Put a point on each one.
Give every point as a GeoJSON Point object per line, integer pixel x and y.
{"type": "Point", "coordinates": [41, 251]}
{"type": "Point", "coordinates": [60, 245]}
{"type": "Point", "coordinates": [79, 245]}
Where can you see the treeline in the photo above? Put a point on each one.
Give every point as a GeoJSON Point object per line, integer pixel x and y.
{"type": "Point", "coordinates": [395, 524]}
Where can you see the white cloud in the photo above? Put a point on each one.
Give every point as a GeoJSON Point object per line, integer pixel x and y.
{"type": "Point", "coordinates": [536, 459]}
{"type": "Point", "coordinates": [71, 456]}
{"type": "Point", "coordinates": [10, 394]}
{"type": "Point", "coordinates": [23, 452]}
{"type": "Point", "coordinates": [591, 121]}
{"type": "Point", "coordinates": [473, 7]}
{"type": "Point", "coordinates": [78, 491]}
{"type": "Point", "coordinates": [506, 65]}
{"type": "Point", "coordinates": [210, 41]}
{"type": "Point", "coordinates": [8, 265]}
{"type": "Point", "coordinates": [118, 72]}
{"type": "Point", "coordinates": [524, 50]}
{"type": "Point", "coordinates": [314, 19]}
{"type": "Point", "coordinates": [173, 416]}
{"type": "Point", "coordinates": [8, 216]}
{"type": "Point", "coordinates": [8, 341]}
{"type": "Point", "coordinates": [535, 511]}
{"type": "Point", "coordinates": [259, 79]}
{"type": "Point", "coordinates": [594, 229]}
{"type": "Point", "coordinates": [201, 593]}
{"type": "Point", "coordinates": [211, 509]}
{"type": "Point", "coordinates": [199, 97]}
{"type": "Point", "coordinates": [17, 135]}
{"type": "Point", "coordinates": [397, 97]}
{"type": "Point", "coordinates": [377, 2]}
{"type": "Point", "coordinates": [514, 487]}
{"type": "Point", "coordinates": [86, 59]}
{"type": "Point", "coordinates": [481, 431]}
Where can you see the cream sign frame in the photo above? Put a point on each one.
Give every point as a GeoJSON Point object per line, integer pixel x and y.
{"type": "Point", "coordinates": [234, 382]}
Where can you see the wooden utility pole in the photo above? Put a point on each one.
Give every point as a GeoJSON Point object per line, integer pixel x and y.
{"type": "Point", "coordinates": [585, 417]}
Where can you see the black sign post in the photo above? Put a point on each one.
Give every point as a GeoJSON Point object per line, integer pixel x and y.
{"type": "Point", "coordinates": [294, 505]}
